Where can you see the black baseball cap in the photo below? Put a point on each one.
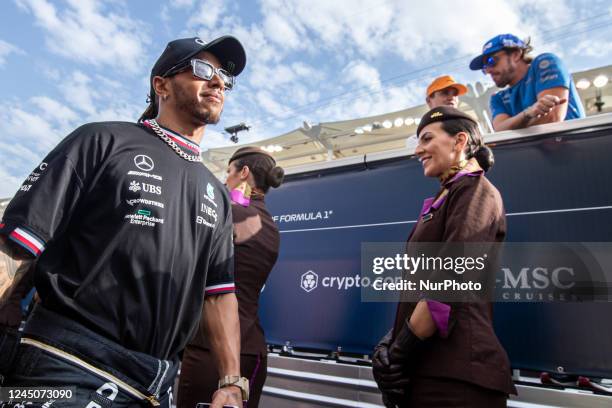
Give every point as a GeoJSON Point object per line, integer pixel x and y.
{"type": "Point", "coordinates": [227, 49]}
{"type": "Point", "coordinates": [442, 114]}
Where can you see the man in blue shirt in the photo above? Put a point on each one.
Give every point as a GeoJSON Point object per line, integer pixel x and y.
{"type": "Point", "coordinates": [540, 90]}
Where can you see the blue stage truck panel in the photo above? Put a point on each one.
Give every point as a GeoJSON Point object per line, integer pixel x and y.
{"type": "Point", "coordinates": [555, 189]}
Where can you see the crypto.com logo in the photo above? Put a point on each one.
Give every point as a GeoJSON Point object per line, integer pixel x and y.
{"type": "Point", "coordinates": [309, 281]}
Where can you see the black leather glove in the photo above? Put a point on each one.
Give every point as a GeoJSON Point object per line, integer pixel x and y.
{"type": "Point", "coordinates": [389, 377]}
{"type": "Point", "coordinates": [381, 351]}
{"type": "Point", "coordinates": [405, 348]}
{"type": "Point", "coordinates": [393, 398]}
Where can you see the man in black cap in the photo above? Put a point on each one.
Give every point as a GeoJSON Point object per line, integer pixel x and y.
{"type": "Point", "coordinates": [132, 236]}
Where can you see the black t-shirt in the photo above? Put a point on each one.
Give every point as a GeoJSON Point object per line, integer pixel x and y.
{"type": "Point", "coordinates": [129, 234]}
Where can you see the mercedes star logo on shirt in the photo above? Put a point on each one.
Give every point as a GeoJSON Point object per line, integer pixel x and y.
{"type": "Point", "coordinates": [144, 162]}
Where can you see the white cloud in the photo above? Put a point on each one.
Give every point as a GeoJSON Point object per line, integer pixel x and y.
{"type": "Point", "coordinates": [86, 32]}
{"type": "Point", "coordinates": [592, 48]}
{"type": "Point", "coordinates": [302, 95]}
{"type": "Point", "coordinates": [51, 73]}
{"type": "Point", "coordinates": [368, 103]}
{"type": "Point", "coordinates": [27, 137]}
{"type": "Point", "coordinates": [435, 33]}
{"type": "Point", "coordinates": [259, 49]}
{"type": "Point", "coordinates": [79, 93]}
{"type": "Point", "coordinates": [283, 78]}
{"type": "Point", "coordinates": [321, 60]}
{"type": "Point", "coordinates": [52, 110]}
{"type": "Point", "coordinates": [417, 32]}
{"type": "Point", "coordinates": [545, 14]}
{"type": "Point", "coordinates": [18, 158]}
{"type": "Point", "coordinates": [9, 184]}
{"type": "Point", "coordinates": [34, 126]}
{"type": "Point", "coordinates": [98, 98]}
{"type": "Point", "coordinates": [213, 138]}
{"type": "Point", "coordinates": [207, 14]}
{"type": "Point", "coordinates": [283, 33]}
{"type": "Point", "coordinates": [7, 49]}
{"type": "Point", "coordinates": [361, 73]}
{"type": "Point", "coordinates": [27, 127]}
{"type": "Point", "coordinates": [270, 77]}
{"type": "Point", "coordinates": [306, 71]}
{"type": "Point", "coordinates": [182, 3]}
{"type": "Point", "coordinates": [32, 129]}
{"type": "Point", "coordinates": [270, 104]}
{"type": "Point", "coordinates": [316, 60]}
{"type": "Point", "coordinates": [122, 111]}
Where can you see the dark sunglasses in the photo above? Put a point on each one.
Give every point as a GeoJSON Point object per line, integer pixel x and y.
{"type": "Point", "coordinates": [490, 62]}
{"type": "Point", "coordinates": [204, 70]}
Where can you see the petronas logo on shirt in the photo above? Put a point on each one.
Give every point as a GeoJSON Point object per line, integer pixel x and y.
{"type": "Point", "coordinates": [210, 191]}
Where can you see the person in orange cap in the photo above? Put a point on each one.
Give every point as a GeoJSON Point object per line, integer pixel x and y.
{"type": "Point", "coordinates": [444, 91]}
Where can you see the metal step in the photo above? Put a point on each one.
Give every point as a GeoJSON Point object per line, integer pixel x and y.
{"type": "Point", "coordinates": [307, 383]}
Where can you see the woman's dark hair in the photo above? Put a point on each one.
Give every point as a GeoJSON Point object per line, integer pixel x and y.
{"type": "Point", "coordinates": [262, 165]}
{"type": "Point", "coordinates": [475, 146]}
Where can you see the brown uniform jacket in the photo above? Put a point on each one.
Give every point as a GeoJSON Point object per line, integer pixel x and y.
{"type": "Point", "coordinates": [472, 212]}
{"type": "Point", "coordinates": [256, 245]}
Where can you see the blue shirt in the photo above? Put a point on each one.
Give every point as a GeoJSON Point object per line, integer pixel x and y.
{"type": "Point", "coordinates": [546, 71]}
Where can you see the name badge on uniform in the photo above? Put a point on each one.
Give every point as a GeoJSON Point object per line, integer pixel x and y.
{"type": "Point", "coordinates": [427, 217]}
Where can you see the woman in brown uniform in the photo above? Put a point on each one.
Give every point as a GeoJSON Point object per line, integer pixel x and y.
{"type": "Point", "coordinates": [250, 174]}
{"type": "Point", "coordinates": [447, 354]}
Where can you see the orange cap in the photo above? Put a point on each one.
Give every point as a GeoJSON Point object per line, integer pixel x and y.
{"type": "Point", "coordinates": [444, 82]}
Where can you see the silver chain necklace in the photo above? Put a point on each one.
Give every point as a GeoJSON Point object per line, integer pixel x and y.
{"type": "Point", "coordinates": [163, 136]}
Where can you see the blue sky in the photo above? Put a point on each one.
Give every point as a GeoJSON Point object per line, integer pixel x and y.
{"type": "Point", "coordinates": [64, 63]}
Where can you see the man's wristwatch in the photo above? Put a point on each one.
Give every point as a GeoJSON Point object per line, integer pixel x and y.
{"type": "Point", "coordinates": [240, 382]}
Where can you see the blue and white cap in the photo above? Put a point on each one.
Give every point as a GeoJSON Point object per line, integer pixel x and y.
{"type": "Point", "coordinates": [499, 42]}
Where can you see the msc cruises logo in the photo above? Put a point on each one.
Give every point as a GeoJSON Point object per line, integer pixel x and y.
{"type": "Point", "coordinates": [144, 162]}
{"type": "Point", "coordinates": [309, 281]}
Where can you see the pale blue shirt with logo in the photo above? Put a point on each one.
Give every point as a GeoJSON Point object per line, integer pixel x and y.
{"type": "Point", "coordinates": [546, 71]}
